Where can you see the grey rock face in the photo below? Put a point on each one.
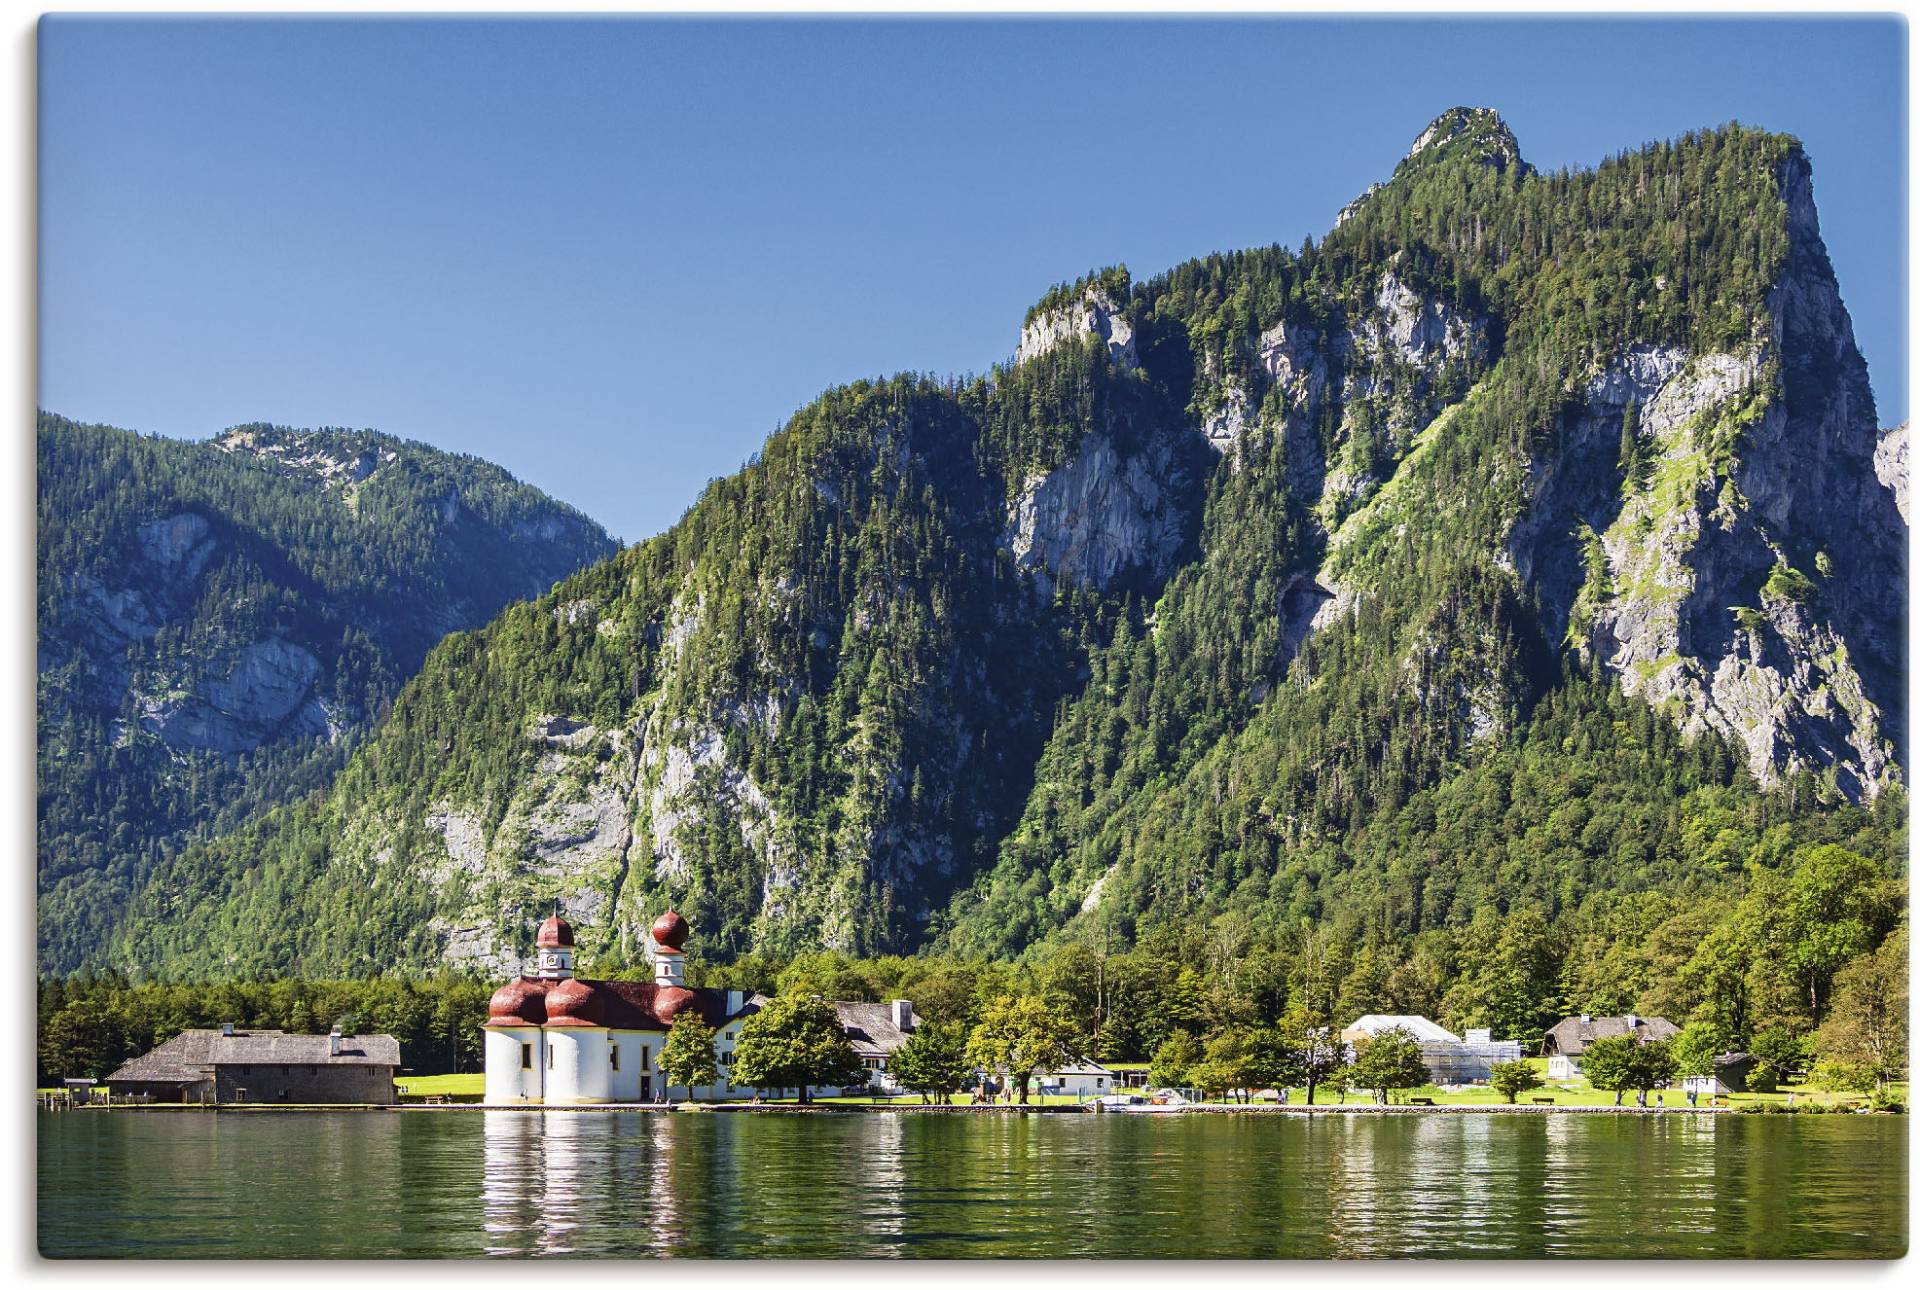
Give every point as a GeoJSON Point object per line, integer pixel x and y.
{"type": "Point", "coordinates": [1095, 517]}
{"type": "Point", "coordinates": [179, 544]}
{"type": "Point", "coordinates": [1095, 313]}
{"type": "Point", "coordinates": [267, 692]}
{"type": "Point", "coordinates": [1890, 464]}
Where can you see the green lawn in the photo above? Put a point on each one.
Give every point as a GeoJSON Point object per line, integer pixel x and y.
{"type": "Point", "coordinates": [471, 1084]}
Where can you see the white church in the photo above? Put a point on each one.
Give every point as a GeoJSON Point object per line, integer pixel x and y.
{"type": "Point", "coordinates": [561, 1040]}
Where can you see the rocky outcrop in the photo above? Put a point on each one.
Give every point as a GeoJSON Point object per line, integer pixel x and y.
{"type": "Point", "coordinates": [1095, 313]}
{"type": "Point", "coordinates": [1478, 133]}
{"type": "Point", "coordinates": [1096, 517]}
{"type": "Point", "coordinates": [266, 692]}
{"type": "Point", "coordinates": [1890, 465]}
{"type": "Point", "coordinates": [1682, 575]}
{"type": "Point", "coordinates": [179, 545]}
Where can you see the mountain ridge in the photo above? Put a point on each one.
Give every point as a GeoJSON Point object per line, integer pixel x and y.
{"type": "Point", "coordinates": [1158, 621]}
{"type": "Point", "coordinates": [221, 621]}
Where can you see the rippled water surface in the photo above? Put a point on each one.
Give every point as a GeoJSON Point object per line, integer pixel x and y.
{"type": "Point", "coordinates": [471, 1184]}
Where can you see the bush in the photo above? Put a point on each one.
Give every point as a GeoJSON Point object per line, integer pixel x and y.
{"type": "Point", "coordinates": [1888, 1101]}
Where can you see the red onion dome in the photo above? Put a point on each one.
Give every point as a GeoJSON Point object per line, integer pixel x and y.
{"type": "Point", "coordinates": [521, 1002]}
{"type": "Point", "coordinates": [573, 1002]}
{"type": "Point", "coordinates": [669, 1001]}
{"type": "Point", "coordinates": [670, 930]}
{"type": "Point", "coordinates": [554, 933]}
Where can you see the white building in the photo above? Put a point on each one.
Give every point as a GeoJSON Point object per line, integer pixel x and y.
{"type": "Point", "coordinates": [1078, 1079]}
{"type": "Point", "coordinates": [1450, 1058]}
{"type": "Point", "coordinates": [877, 1031]}
{"type": "Point", "coordinates": [561, 1040]}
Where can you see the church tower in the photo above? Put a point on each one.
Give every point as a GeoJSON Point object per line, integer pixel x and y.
{"type": "Point", "coordinates": [669, 934]}
{"type": "Point", "coordinates": [554, 950]}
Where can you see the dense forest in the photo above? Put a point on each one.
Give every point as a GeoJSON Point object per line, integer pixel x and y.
{"type": "Point", "coordinates": [221, 622]}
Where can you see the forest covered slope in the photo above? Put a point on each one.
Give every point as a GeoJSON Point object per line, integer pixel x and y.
{"type": "Point", "coordinates": [1528, 543]}
{"type": "Point", "coordinates": [220, 622]}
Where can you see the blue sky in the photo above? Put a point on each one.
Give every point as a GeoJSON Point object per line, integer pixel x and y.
{"type": "Point", "coordinates": [614, 255]}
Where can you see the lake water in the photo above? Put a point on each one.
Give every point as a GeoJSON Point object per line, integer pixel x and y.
{"type": "Point", "coordinates": [471, 1184]}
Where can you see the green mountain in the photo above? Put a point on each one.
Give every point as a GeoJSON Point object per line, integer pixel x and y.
{"type": "Point", "coordinates": [1523, 542]}
{"type": "Point", "coordinates": [220, 623]}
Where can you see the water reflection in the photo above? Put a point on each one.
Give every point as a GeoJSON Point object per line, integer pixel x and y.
{"type": "Point", "coordinates": [560, 1183]}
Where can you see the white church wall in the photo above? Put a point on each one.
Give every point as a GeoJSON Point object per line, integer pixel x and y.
{"type": "Point", "coordinates": [578, 1068]}
{"type": "Point", "coordinates": [508, 1079]}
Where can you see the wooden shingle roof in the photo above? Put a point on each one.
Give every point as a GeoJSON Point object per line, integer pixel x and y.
{"type": "Point", "coordinates": [1572, 1035]}
{"type": "Point", "coordinates": [192, 1055]}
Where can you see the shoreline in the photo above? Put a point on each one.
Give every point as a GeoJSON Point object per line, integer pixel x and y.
{"type": "Point", "coordinates": [702, 1108]}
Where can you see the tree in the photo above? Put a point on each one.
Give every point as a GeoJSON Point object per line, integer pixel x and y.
{"type": "Point", "coordinates": [1785, 1050]}
{"type": "Point", "coordinates": [1633, 459]}
{"type": "Point", "coordinates": [1695, 1047]}
{"type": "Point", "coordinates": [80, 1040]}
{"type": "Point", "coordinates": [933, 1062]}
{"type": "Point", "coordinates": [1319, 1058]}
{"type": "Point", "coordinates": [794, 1042]}
{"type": "Point", "coordinates": [687, 1059]}
{"type": "Point", "coordinates": [1387, 1061]}
{"type": "Point", "coordinates": [1835, 905]}
{"type": "Point", "coordinates": [1228, 1065]}
{"type": "Point", "coordinates": [1868, 1024]}
{"type": "Point", "coordinates": [1174, 1060]}
{"type": "Point", "coordinates": [1608, 1064]}
{"type": "Point", "coordinates": [1652, 1064]}
{"type": "Point", "coordinates": [1021, 1035]}
{"type": "Point", "coordinates": [1511, 1079]}
{"type": "Point", "coordinates": [1841, 1075]}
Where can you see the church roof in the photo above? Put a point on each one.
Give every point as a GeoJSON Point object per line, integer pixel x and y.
{"type": "Point", "coordinates": [615, 1005]}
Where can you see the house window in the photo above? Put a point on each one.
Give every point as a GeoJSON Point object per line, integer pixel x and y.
{"type": "Point", "coordinates": [646, 1058]}
{"type": "Point", "coordinates": [549, 1059]}
{"type": "Point", "coordinates": [613, 1054]}
{"type": "Point", "coordinates": [526, 1057]}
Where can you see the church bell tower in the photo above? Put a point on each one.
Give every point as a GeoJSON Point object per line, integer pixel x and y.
{"type": "Point", "coordinates": [553, 957]}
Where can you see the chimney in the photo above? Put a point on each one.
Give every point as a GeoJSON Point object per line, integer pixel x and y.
{"type": "Point", "coordinates": [736, 1000]}
{"type": "Point", "coordinates": [1586, 1016]}
{"type": "Point", "coordinates": [226, 1029]}
{"type": "Point", "coordinates": [902, 1015]}
{"type": "Point", "coordinates": [333, 1043]}
{"type": "Point", "coordinates": [1633, 1022]}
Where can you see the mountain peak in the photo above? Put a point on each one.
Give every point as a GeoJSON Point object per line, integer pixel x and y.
{"type": "Point", "coordinates": [1478, 133]}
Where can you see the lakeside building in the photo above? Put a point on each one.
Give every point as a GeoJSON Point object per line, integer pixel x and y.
{"type": "Point", "coordinates": [1569, 1038]}
{"type": "Point", "coordinates": [1080, 1078]}
{"type": "Point", "coordinates": [1732, 1073]}
{"type": "Point", "coordinates": [230, 1066]}
{"type": "Point", "coordinates": [1449, 1058]}
{"type": "Point", "coordinates": [877, 1031]}
{"type": "Point", "coordinates": [560, 1040]}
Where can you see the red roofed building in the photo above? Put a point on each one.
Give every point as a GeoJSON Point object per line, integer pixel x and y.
{"type": "Point", "coordinates": [557, 1039]}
